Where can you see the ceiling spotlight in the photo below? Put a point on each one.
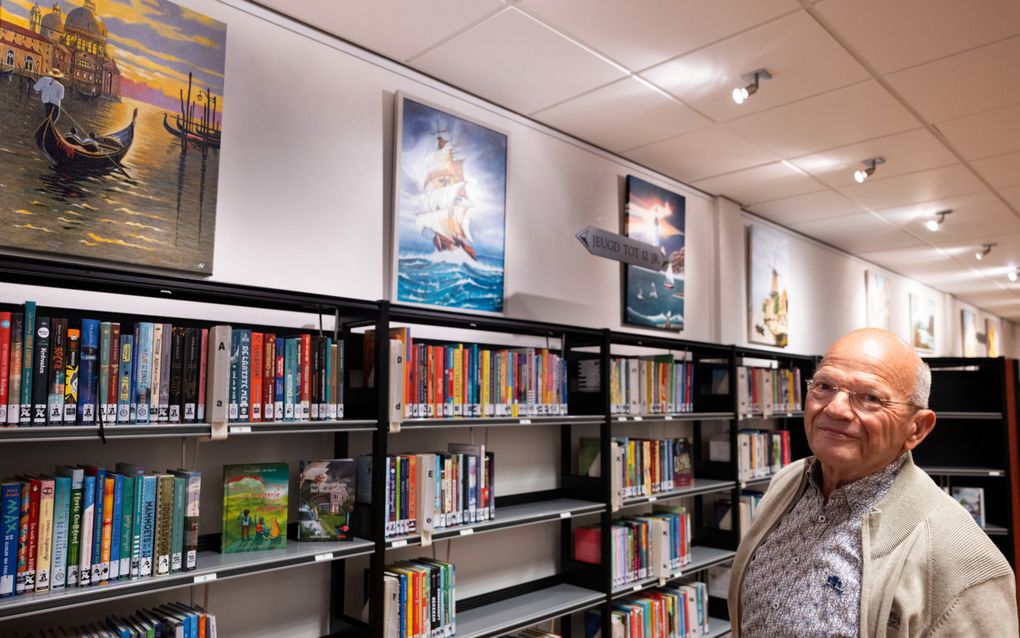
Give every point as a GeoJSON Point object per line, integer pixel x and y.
{"type": "Point", "coordinates": [985, 249]}
{"type": "Point", "coordinates": [1012, 275]}
{"type": "Point", "coordinates": [933, 224]}
{"type": "Point", "coordinates": [752, 78]}
{"type": "Point", "coordinates": [860, 176]}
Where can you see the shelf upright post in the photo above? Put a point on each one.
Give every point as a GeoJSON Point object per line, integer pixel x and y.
{"type": "Point", "coordinates": [605, 441]}
{"type": "Point", "coordinates": [379, 443]}
{"type": "Point", "coordinates": [1009, 410]}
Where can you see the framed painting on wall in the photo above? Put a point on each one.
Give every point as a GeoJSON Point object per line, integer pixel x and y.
{"type": "Point", "coordinates": [449, 204]}
{"type": "Point", "coordinates": [968, 329]}
{"type": "Point", "coordinates": [768, 277]}
{"type": "Point", "coordinates": [112, 120]}
{"type": "Point", "coordinates": [879, 300]}
{"type": "Point", "coordinates": [656, 216]}
{"type": "Point", "coordinates": [992, 338]}
{"type": "Point", "coordinates": [922, 322]}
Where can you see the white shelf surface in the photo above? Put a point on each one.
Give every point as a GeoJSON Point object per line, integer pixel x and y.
{"type": "Point", "coordinates": [717, 627]}
{"type": "Point", "coordinates": [699, 486]}
{"type": "Point", "coordinates": [701, 558]}
{"type": "Point", "coordinates": [496, 619]}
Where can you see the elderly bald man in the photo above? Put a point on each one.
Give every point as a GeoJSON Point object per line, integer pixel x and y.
{"type": "Point", "coordinates": [856, 540]}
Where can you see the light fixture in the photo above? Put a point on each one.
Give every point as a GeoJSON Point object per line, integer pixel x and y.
{"type": "Point", "coordinates": [933, 224]}
{"type": "Point", "coordinates": [1012, 275]}
{"type": "Point", "coordinates": [860, 176]}
{"type": "Point", "coordinates": [985, 249]}
{"type": "Point", "coordinates": [752, 78]}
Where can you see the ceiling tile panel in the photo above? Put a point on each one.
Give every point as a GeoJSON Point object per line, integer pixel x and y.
{"type": "Point", "coordinates": [903, 153]}
{"type": "Point", "coordinates": [966, 83]}
{"type": "Point", "coordinates": [858, 232]}
{"type": "Point", "coordinates": [397, 29]}
{"type": "Point", "coordinates": [914, 259]}
{"type": "Point", "coordinates": [805, 208]}
{"type": "Point", "coordinates": [706, 153]}
{"type": "Point", "coordinates": [990, 133]}
{"type": "Point", "coordinates": [966, 209]}
{"type": "Point", "coordinates": [515, 61]}
{"type": "Point", "coordinates": [844, 116]}
{"type": "Point", "coordinates": [973, 231]}
{"type": "Point", "coordinates": [922, 186]}
{"type": "Point", "coordinates": [761, 183]}
{"type": "Point", "coordinates": [801, 56]}
{"type": "Point", "coordinates": [640, 34]}
{"type": "Point", "coordinates": [937, 28]}
{"type": "Point", "coordinates": [623, 115]}
{"type": "Point", "coordinates": [1001, 170]}
{"type": "Point", "coordinates": [1012, 196]}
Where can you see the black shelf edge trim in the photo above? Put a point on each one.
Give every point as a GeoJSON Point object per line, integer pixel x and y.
{"type": "Point", "coordinates": [48, 433]}
{"type": "Point", "coordinates": [416, 424]}
{"type": "Point", "coordinates": [679, 416]}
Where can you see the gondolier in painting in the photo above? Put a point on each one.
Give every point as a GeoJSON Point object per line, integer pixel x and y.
{"type": "Point", "coordinates": [51, 92]}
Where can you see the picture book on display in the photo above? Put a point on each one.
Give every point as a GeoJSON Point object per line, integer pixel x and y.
{"type": "Point", "coordinates": [254, 507]}
{"type": "Point", "coordinates": [327, 500]}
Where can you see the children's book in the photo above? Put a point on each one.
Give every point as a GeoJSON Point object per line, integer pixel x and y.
{"type": "Point", "coordinates": [254, 507]}
{"type": "Point", "coordinates": [327, 500]}
{"type": "Point", "coordinates": [973, 500]}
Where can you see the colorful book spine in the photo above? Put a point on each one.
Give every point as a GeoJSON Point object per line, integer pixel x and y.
{"type": "Point", "coordinates": [305, 370]}
{"type": "Point", "coordinates": [202, 371]}
{"type": "Point", "coordinates": [125, 380]}
{"type": "Point", "coordinates": [164, 524]}
{"type": "Point", "coordinates": [27, 360]}
{"type": "Point", "coordinates": [23, 519]}
{"type": "Point", "coordinates": [61, 524]}
{"type": "Point", "coordinates": [14, 368]}
{"type": "Point", "coordinates": [191, 511]}
{"type": "Point", "coordinates": [58, 370]}
{"type": "Point", "coordinates": [269, 377]}
{"type": "Point", "coordinates": [189, 393]}
{"type": "Point", "coordinates": [156, 375]}
{"type": "Point", "coordinates": [279, 381]}
{"type": "Point", "coordinates": [100, 567]}
{"type": "Point", "coordinates": [88, 373]}
{"type": "Point", "coordinates": [44, 551]}
{"type": "Point", "coordinates": [176, 391]}
{"type": "Point", "coordinates": [32, 544]}
{"type": "Point", "coordinates": [103, 373]}
{"type": "Point", "coordinates": [177, 524]}
{"type": "Point", "coordinates": [10, 521]}
{"type": "Point", "coordinates": [291, 407]}
{"type": "Point", "coordinates": [127, 517]}
{"type": "Point", "coordinates": [112, 394]}
{"type": "Point", "coordinates": [166, 373]}
{"type": "Point", "coordinates": [115, 525]}
{"type": "Point", "coordinates": [41, 372]}
{"type": "Point", "coordinates": [71, 373]}
{"type": "Point", "coordinates": [148, 525]}
{"type": "Point", "coordinates": [244, 376]}
{"type": "Point", "coordinates": [76, 477]}
{"type": "Point", "coordinates": [5, 360]}
{"type": "Point", "coordinates": [143, 368]}
{"type": "Point", "coordinates": [233, 409]}
{"type": "Point", "coordinates": [88, 515]}
{"type": "Point", "coordinates": [255, 393]}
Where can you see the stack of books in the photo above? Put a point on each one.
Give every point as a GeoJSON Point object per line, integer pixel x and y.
{"type": "Point", "coordinates": [656, 384]}
{"type": "Point", "coordinates": [663, 612]}
{"type": "Point", "coordinates": [657, 545]}
{"type": "Point", "coordinates": [420, 599]}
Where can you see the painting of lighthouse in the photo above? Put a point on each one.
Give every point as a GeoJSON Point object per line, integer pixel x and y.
{"type": "Point", "coordinates": [112, 119]}
{"type": "Point", "coordinates": [768, 278]}
{"type": "Point", "coordinates": [450, 210]}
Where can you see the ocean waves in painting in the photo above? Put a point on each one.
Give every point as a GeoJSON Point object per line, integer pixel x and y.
{"type": "Point", "coordinates": [450, 280]}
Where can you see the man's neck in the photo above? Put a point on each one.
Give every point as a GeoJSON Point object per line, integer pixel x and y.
{"type": "Point", "coordinates": [833, 478]}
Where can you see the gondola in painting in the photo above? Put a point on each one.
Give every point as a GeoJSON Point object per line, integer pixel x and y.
{"type": "Point", "coordinates": [111, 117]}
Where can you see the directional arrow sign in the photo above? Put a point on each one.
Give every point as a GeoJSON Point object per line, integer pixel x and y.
{"type": "Point", "coordinates": [603, 243]}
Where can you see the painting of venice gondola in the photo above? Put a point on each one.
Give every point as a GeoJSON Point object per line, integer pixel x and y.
{"type": "Point", "coordinates": [656, 216]}
{"type": "Point", "coordinates": [110, 127]}
{"type": "Point", "coordinates": [450, 205]}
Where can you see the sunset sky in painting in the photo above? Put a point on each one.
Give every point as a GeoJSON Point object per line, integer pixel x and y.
{"type": "Point", "coordinates": [156, 43]}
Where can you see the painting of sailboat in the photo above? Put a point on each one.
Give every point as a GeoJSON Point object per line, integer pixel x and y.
{"type": "Point", "coordinates": [110, 136]}
{"type": "Point", "coordinates": [450, 210]}
{"type": "Point", "coordinates": [656, 216]}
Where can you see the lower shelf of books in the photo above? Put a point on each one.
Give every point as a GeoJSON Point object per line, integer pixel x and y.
{"type": "Point", "coordinates": [498, 618]}
{"type": "Point", "coordinates": [717, 627]}
{"type": "Point", "coordinates": [701, 558]}
{"type": "Point", "coordinates": [211, 566]}
{"type": "Point", "coordinates": [511, 516]}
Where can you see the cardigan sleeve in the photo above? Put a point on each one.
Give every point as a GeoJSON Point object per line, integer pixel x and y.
{"type": "Point", "coordinates": [986, 609]}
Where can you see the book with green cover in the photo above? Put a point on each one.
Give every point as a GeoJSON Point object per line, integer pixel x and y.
{"type": "Point", "coordinates": [589, 456]}
{"type": "Point", "coordinates": [127, 516]}
{"type": "Point", "coordinates": [177, 533]}
{"type": "Point", "coordinates": [254, 507]}
{"type": "Point", "coordinates": [164, 524]}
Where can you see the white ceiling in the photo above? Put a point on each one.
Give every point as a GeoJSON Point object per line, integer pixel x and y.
{"type": "Point", "coordinates": [932, 86]}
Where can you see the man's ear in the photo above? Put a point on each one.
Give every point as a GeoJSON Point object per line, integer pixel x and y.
{"type": "Point", "coordinates": [921, 426]}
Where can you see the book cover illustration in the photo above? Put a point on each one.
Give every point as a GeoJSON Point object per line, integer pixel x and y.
{"type": "Point", "coordinates": [327, 500]}
{"type": "Point", "coordinates": [254, 507]}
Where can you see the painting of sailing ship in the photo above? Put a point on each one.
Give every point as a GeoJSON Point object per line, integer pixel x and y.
{"type": "Point", "coordinates": [112, 120]}
{"type": "Point", "coordinates": [656, 216]}
{"type": "Point", "coordinates": [768, 298]}
{"type": "Point", "coordinates": [450, 210]}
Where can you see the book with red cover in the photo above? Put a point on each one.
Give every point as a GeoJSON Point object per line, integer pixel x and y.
{"type": "Point", "coordinates": [113, 381]}
{"type": "Point", "coordinates": [306, 376]}
{"type": "Point", "coordinates": [5, 355]}
{"type": "Point", "coordinates": [269, 377]}
{"type": "Point", "coordinates": [257, 370]}
{"type": "Point", "coordinates": [32, 540]}
{"type": "Point", "coordinates": [588, 545]}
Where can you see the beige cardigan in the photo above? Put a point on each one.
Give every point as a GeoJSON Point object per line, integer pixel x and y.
{"type": "Point", "coordinates": [928, 569]}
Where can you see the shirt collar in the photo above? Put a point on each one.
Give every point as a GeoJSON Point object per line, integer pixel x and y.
{"type": "Point", "coordinates": [863, 493]}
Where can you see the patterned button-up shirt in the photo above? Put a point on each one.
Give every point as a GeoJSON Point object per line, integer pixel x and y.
{"type": "Point", "coordinates": [804, 579]}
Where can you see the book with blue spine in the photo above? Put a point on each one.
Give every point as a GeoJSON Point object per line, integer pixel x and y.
{"type": "Point", "coordinates": [88, 371]}
{"type": "Point", "coordinates": [278, 378]}
{"type": "Point", "coordinates": [235, 375]}
{"type": "Point", "coordinates": [244, 375]}
{"type": "Point", "coordinates": [138, 472]}
{"type": "Point", "coordinates": [127, 517]}
{"type": "Point", "coordinates": [10, 520]}
{"type": "Point", "coordinates": [290, 380]}
{"type": "Point", "coordinates": [27, 359]}
{"type": "Point", "coordinates": [148, 529]}
{"type": "Point", "coordinates": [74, 520]}
{"type": "Point", "coordinates": [88, 515]}
{"type": "Point", "coordinates": [98, 570]}
{"type": "Point", "coordinates": [61, 530]}
{"type": "Point", "coordinates": [143, 371]}
{"type": "Point", "coordinates": [125, 379]}
{"type": "Point", "coordinates": [177, 531]}
{"type": "Point", "coordinates": [115, 527]}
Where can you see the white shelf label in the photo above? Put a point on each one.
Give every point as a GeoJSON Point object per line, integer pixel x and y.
{"type": "Point", "coordinates": [326, 556]}
{"type": "Point", "coordinates": [639, 418]}
{"type": "Point", "coordinates": [668, 417]}
{"type": "Point", "coordinates": [205, 578]}
{"type": "Point", "coordinates": [995, 473]}
{"type": "Point", "coordinates": [525, 421]}
{"type": "Point", "coordinates": [240, 429]}
{"type": "Point", "coordinates": [467, 532]}
{"type": "Point", "coordinates": [396, 544]}
{"type": "Point", "coordinates": [623, 418]}
{"type": "Point", "coordinates": [652, 499]}
{"type": "Point", "coordinates": [564, 514]}
{"type": "Point", "coordinates": [636, 587]}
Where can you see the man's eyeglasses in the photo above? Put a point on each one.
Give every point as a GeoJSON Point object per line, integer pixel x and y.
{"type": "Point", "coordinates": [824, 391]}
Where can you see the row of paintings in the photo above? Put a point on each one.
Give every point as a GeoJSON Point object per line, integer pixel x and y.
{"type": "Point", "coordinates": [923, 322]}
